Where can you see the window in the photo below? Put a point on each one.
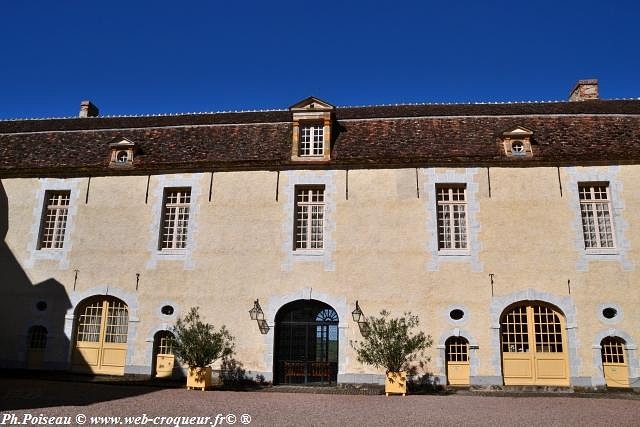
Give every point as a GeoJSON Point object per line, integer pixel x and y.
{"type": "Point", "coordinates": [309, 223]}
{"type": "Point", "coordinates": [175, 218]}
{"type": "Point", "coordinates": [452, 217]}
{"type": "Point", "coordinates": [311, 140]}
{"type": "Point", "coordinates": [595, 209]}
{"type": "Point", "coordinates": [54, 219]}
{"type": "Point", "coordinates": [122, 157]}
{"type": "Point", "coordinates": [38, 337]}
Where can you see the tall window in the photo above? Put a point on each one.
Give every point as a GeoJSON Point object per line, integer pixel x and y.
{"type": "Point", "coordinates": [452, 217]}
{"type": "Point", "coordinates": [311, 140]}
{"type": "Point", "coordinates": [595, 209]}
{"type": "Point", "coordinates": [175, 218]}
{"type": "Point", "coordinates": [309, 225]}
{"type": "Point", "coordinates": [54, 219]}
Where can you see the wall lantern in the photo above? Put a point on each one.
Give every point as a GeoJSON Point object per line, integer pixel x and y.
{"type": "Point", "coordinates": [256, 312]}
{"type": "Point", "coordinates": [357, 313]}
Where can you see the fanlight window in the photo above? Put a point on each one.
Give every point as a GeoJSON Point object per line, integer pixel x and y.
{"type": "Point", "coordinates": [457, 349]}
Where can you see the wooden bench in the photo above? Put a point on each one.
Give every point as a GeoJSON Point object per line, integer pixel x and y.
{"type": "Point", "coordinates": [322, 370]}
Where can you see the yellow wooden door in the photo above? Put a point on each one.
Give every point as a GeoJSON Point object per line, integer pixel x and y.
{"type": "Point", "coordinates": [37, 345]}
{"type": "Point", "coordinates": [457, 352]}
{"type": "Point", "coordinates": [164, 355]}
{"type": "Point", "coordinates": [534, 349]}
{"type": "Point", "coordinates": [101, 338]}
{"type": "Point", "coordinates": [614, 363]}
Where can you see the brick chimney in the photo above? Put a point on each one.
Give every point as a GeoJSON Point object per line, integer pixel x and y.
{"type": "Point", "coordinates": [585, 90]}
{"type": "Point", "coordinates": [87, 109]}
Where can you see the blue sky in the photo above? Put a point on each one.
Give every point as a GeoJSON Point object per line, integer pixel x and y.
{"type": "Point", "coordinates": [138, 57]}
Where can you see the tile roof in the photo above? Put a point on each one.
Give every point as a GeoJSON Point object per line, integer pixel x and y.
{"type": "Point", "coordinates": [589, 132]}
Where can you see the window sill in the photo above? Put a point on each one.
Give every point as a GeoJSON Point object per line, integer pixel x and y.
{"type": "Point", "coordinates": [602, 251]}
{"type": "Point", "coordinates": [172, 252]}
{"type": "Point", "coordinates": [308, 252]}
{"type": "Point", "coordinates": [453, 252]}
{"type": "Point", "coordinates": [310, 159]}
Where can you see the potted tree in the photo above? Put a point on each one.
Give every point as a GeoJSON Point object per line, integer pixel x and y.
{"type": "Point", "coordinates": [393, 344]}
{"type": "Point", "coordinates": [198, 344]}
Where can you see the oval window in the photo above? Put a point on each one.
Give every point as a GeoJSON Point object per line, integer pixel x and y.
{"type": "Point", "coordinates": [167, 310]}
{"type": "Point", "coordinates": [122, 157]}
{"type": "Point", "coordinates": [609, 312]}
{"type": "Point", "coordinates": [41, 305]}
{"type": "Point", "coordinates": [456, 314]}
{"type": "Point", "coordinates": [517, 147]}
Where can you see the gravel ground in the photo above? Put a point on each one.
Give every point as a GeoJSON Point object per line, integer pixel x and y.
{"type": "Point", "coordinates": [22, 397]}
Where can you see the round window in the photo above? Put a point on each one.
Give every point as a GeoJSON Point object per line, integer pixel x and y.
{"type": "Point", "coordinates": [41, 305]}
{"type": "Point", "coordinates": [609, 313]}
{"type": "Point", "coordinates": [167, 310]}
{"type": "Point", "coordinates": [517, 147]}
{"type": "Point", "coordinates": [122, 157]}
{"type": "Point", "coordinates": [456, 314]}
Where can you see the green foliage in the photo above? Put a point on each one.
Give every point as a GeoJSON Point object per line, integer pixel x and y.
{"type": "Point", "coordinates": [392, 343]}
{"type": "Point", "coordinates": [199, 344]}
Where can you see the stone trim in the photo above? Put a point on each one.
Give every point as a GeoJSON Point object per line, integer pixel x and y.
{"type": "Point", "coordinates": [185, 255]}
{"type": "Point", "coordinates": [441, 359]}
{"type": "Point", "coordinates": [617, 319]}
{"type": "Point", "coordinates": [130, 298]}
{"type": "Point", "coordinates": [632, 358]}
{"type": "Point", "coordinates": [467, 177]}
{"type": "Point", "coordinates": [61, 255]}
{"type": "Point", "coordinates": [292, 179]}
{"type": "Point", "coordinates": [564, 303]}
{"type": "Point", "coordinates": [276, 302]}
{"type": "Point", "coordinates": [620, 254]}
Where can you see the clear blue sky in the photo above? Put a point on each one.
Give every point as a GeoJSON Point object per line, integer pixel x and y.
{"type": "Point", "coordinates": [139, 57]}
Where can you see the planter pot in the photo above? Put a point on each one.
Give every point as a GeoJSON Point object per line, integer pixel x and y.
{"type": "Point", "coordinates": [395, 382]}
{"type": "Point", "coordinates": [199, 378]}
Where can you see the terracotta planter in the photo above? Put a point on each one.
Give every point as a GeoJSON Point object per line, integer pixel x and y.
{"type": "Point", "coordinates": [199, 378]}
{"type": "Point", "coordinates": [395, 382]}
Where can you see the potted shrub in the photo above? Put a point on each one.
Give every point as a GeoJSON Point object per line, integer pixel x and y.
{"type": "Point", "coordinates": [198, 344]}
{"type": "Point", "coordinates": [393, 344]}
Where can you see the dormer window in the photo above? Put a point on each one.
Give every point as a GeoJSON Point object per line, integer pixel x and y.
{"type": "Point", "coordinates": [311, 140]}
{"type": "Point", "coordinates": [122, 153]}
{"type": "Point", "coordinates": [122, 157]}
{"type": "Point", "coordinates": [517, 142]}
{"type": "Point", "coordinates": [311, 136]}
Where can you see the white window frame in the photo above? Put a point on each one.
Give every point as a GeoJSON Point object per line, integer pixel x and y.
{"type": "Point", "coordinates": [53, 223]}
{"type": "Point", "coordinates": [311, 140]}
{"type": "Point", "coordinates": [305, 219]}
{"type": "Point", "coordinates": [175, 240]}
{"type": "Point", "coordinates": [450, 222]}
{"type": "Point", "coordinates": [591, 205]}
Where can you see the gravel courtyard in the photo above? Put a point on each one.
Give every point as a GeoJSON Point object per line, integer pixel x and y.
{"type": "Point", "coordinates": [28, 401]}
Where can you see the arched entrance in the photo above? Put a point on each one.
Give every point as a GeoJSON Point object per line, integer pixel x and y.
{"type": "Point", "coordinates": [457, 354]}
{"type": "Point", "coordinates": [534, 345]}
{"type": "Point", "coordinates": [306, 343]}
{"type": "Point", "coordinates": [163, 351]}
{"type": "Point", "coordinates": [614, 362]}
{"type": "Point", "coordinates": [100, 344]}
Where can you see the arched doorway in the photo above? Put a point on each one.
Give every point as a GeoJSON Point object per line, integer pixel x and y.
{"type": "Point", "coordinates": [36, 345]}
{"type": "Point", "coordinates": [163, 354]}
{"type": "Point", "coordinates": [614, 362]}
{"type": "Point", "coordinates": [100, 344]}
{"type": "Point", "coordinates": [457, 354]}
{"type": "Point", "coordinates": [306, 343]}
{"type": "Point", "coordinates": [534, 345]}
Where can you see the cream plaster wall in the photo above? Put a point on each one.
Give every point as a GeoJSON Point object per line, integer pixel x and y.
{"type": "Point", "coordinates": [379, 255]}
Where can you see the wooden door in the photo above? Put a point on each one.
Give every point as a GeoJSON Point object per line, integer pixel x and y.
{"type": "Point", "coordinates": [457, 351]}
{"type": "Point", "coordinates": [164, 354]}
{"type": "Point", "coordinates": [614, 362]}
{"type": "Point", "coordinates": [37, 343]}
{"type": "Point", "coordinates": [534, 349]}
{"type": "Point", "coordinates": [101, 337]}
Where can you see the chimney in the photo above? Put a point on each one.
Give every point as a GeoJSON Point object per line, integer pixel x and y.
{"type": "Point", "coordinates": [87, 109]}
{"type": "Point", "coordinates": [585, 90]}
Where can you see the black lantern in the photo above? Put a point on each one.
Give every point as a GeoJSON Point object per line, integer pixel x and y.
{"type": "Point", "coordinates": [357, 313]}
{"type": "Point", "coordinates": [263, 326]}
{"type": "Point", "coordinates": [256, 312]}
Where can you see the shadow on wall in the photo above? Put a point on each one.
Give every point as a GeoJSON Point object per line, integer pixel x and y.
{"type": "Point", "coordinates": [32, 335]}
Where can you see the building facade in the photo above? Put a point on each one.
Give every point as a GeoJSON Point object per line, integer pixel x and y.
{"type": "Point", "coordinates": [511, 229]}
